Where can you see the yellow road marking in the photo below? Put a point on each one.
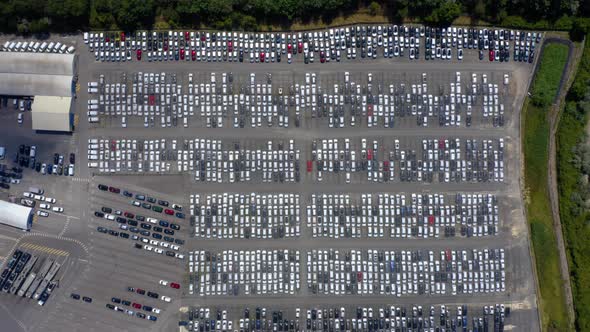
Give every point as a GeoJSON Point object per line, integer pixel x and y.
{"type": "Point", "coordinates": [48, 250]}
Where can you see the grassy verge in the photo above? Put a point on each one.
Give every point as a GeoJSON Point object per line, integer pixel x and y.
{"type": "Point", "coordinates": [535, 146]}
{"type": "Point", "coordinates": [572, 170]}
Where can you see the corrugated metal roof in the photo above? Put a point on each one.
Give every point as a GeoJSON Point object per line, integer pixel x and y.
{"type": "Point", "coordinates": [37, 63]}
{"type": "Point", "coordinates": [15, 215]}
{"type": "Point", "coordinates": [35, 85]}
{"type": "Point", "coordinates": [51, 113]}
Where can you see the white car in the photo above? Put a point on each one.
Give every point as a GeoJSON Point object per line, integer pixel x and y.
{"type": "Point", "coordinates": [156, 310]}
{"type": "Point", "coordinates": [57, 209]}
{"type": "Point", "coordinates": [71, 170]}
{"type": "Point", "coordinates": [165, 298]}
{"type": "Point", "coordinates": [163, 282]}
{"type": "Point", "coordinates": [50, 200]}
{"type": "Point", "coordinates": [42, 214]}
{"type": "Point", "coordinates": [45, 206]}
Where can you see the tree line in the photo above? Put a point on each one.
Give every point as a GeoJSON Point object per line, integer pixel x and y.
{"type": "Point", "coordinates": [37, 16]}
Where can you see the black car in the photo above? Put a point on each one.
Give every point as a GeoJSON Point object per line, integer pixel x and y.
{"type": "Point", "coordinates": [127, 194]}
{"type": "Point", "coordinates": [87, 299]}
{"type": "Point", "coordinates": [113, 232]}
{"type": "Point", "coordinates": [144, 233]}
{"type": "Point", "coordinates": [147, 308]}
{"type": "Point", "coordinates": [170, 253]}
{"type": "Point", "coordinates": [163, 223]}
{"type": "Point", "coordinates": [138, 246]}
{"type": "Point", "coordinates": [163, 203]}
{"type": "Point", "coordinates": [140, 218]}
{"type": "Point", "coordinates": [110, 306]}
{"type": "Point", "coordinates": [140, 315]}
{"type": "Point", "coordinates": [152, 295]}
{"type": "Point", "coordinates": [106, 209]}
{"type": "Point", "coordinates": [169, 231]}
{"type": "Point", "coordinates": [124, 235]}
{"type": "Point", "coordinates": [121, 220]}
{"type": "Point", "coordinates": [103, 187]}
{"type": "Point", "coordinates": [146, 226]}
{"type": "Point", "coordinates": [157, 229]}
{"type": "Point", "coordinates": [169, 239]}
{"type": "Point", "coordinates": [179, 241]}
{"type": "Point", "coordinates": [132, 222]}
{"type": "Point", "coordinates": [99, 214]}
{"type": "Point", "coordinates": [56, 158]}
{"type": "Point", "coordinates": [4, 185]}
{"type": "Point", "coordinates": [151, 199]}
{"type": "Point", "coordinates": [157, 236]}
{"type": "Point", "coordinates": [102, 229]}
{"type": "Point", "coordinates": [72, 158]}
{"type": "Point", "coordinates": [180, 215]}
{"type": "Point", "coordinates": [116, 300]}
{"type": "Point", "coordinates": [75, 296]}
{"type": "Point", "coordinates": [125, 302]}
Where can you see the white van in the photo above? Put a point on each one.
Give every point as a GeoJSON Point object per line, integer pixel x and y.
{"type": "Point", "coordinates": [92, 164]}
{"type": "Point", "coordinates": [56, 47]}
{"type": "Point", "coordinates": [71, 49]}
{"type": "Point", "coordinates": [63, 48]}
{"type": "Point", "coordinates": [50, 47]}
{"type": "Point", "coordinates": [86, 37]}
{"type": "Point", "coordinates": [43, 47]}
{"type": "Point", "coordinates": [5, 46]}
{"type": "Point", "coordinates": [93, 119]}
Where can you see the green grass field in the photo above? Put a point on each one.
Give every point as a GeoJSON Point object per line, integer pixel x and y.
{"type": "Point", "coordinates": [572, 192]}
{"type": "Point", "coordinates": [535, 146]}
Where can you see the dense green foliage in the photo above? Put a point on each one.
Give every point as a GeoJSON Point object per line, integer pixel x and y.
{"type": "Point", "coordinates": [69, 15]}
{"type": "Point", "coordinates": [573, 168]}
{"type": "Point", "coordinates": [536, 145]}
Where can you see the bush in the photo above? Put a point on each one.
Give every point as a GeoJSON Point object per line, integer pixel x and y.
{"type": "Point", "coordinates": [374, 8]}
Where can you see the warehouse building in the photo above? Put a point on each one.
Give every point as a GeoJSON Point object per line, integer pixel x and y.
{"type": "Point", "coordinates": [49, 78]}
{"type": "Point", "coordinates": [16, 215]}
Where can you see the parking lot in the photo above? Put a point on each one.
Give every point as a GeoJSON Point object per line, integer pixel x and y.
{"type": "Point", "coordinates": [287, 185]}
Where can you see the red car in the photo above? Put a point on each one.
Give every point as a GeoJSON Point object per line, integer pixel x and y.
{"type": "Point", "coordinates": [152, 99]}
{"type": "Point", "coordinates": [122, 36]}
{"type": "Point", "coordinates": [136, 305]}
{"type": "Point", "coordinates": [186, 35]}
{"type": "Point", "coordinates": [182, 54]}
{"type": "Point", "coordinates": [309, 166]}
{"type": "Point", "coordinates": [114, 190]}
{"type": "Point", "coordinates": [174, 285]}
{"type": "Point", "coordinates": [193, 55]}
{"type": "Point", "coordinates": [169, 212]}
{"type": "Point", "coordinates": [300, 48]}
{"type": "Point", "coordinates": [140, 291]}
{"type": "Point", "coordinates": [359, 276]}
{"type": "Point", "coordinates": [289, 48]}
{"type": "Point", "coordinates": [261, 56]}
{"type": "Point", "coordinates": [322, 57]}
{"type": "Point", "coordinates": [138, 55]}
{"type": "Point", "coordinates": [491, 55]}
{"type": "Point", "coordinates": [230, 46]}
{"type": "Point", "coordinates": [129, 215]}
{"type": "Point", "coordinates": [165, 46]}
{"type": "Point", "coordinates": [369, 154]}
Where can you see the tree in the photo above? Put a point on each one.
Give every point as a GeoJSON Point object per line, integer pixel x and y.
{"type": "Point", "coordinates": [445, 14]}
{"type": "Point", "coordinates": [135, 14]}
{"type": "Point", "coordinates": [374, 8]}
{"type": "Point", "coordinates": [249, 23]}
